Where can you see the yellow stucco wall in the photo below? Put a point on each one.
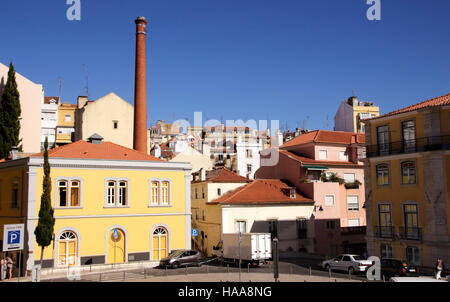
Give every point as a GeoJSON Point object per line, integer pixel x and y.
{"type": "Point", "coordinates": [92, 220]}
{"type": "Point", "coordinates": [93, 230]}
{"type": "Point", "coordinates": [397, 193]}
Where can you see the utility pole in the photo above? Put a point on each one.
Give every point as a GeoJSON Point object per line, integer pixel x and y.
{"type": "Point", "coordinates": [60, 79]}
{"type": "Point", "coordinates": [86, 74]}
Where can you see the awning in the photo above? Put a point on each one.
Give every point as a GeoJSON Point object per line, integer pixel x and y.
{"type": "Point", "coordinates": [319, 168]}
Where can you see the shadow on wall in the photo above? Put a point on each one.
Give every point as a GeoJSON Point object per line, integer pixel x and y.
{"type": "Point", "coordinates": [293, 235]}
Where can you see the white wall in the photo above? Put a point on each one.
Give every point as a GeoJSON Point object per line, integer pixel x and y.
{"type": "Point", "coordinates": [243, 161]}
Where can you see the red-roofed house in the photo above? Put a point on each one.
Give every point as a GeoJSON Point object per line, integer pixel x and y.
{"type": "Point", "coordinates": [258, 206]}
{"type": "Point", "coordinates": [325, 167]}
{"type": "Point", "coordinates": [112, 204]}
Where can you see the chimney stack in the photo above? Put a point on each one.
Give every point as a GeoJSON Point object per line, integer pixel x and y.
{"type": "Point", "coordinates": [140, 90]}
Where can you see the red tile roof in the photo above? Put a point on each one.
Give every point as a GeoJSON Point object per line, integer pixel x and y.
{"type": "Point", "coordinates": [224, 175]}
{"type": "Point", "coordinates": [310, 161]}
{"type": "Point", "coordinates": [262, 191]}
{"type": "Point", "coordinates": [47, 99]}
{"type": "Point", "coordinates": [106, 150]}
{"type": "Point", "coordinates": [325, 136]}
{"type": "Point", "coordinates": [435, 102]}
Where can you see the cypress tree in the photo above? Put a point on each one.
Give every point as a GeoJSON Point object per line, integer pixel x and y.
{"type": "Point", "coordinates": [46, 222]}
{"type": "Point", "coordinates": [9, 116]}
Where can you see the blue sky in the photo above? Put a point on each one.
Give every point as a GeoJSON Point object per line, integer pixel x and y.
{"type": "Point", "coordinates": [293, 61]}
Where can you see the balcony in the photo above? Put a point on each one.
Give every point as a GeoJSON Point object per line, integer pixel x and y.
{"type": "Point", "coordinates": [423, 144]}
{"type": "Point", "coordinates": [411, 233]}
{"type": "Point", "coordinates": [357, 230]}
{"type": "Point", "coordinates": [384, 231]}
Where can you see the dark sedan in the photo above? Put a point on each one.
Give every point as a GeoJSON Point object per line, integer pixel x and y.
{"type": "Point", "coordinates": [182, 258]}
{"type": "Point", "coordinates": [397, 268]}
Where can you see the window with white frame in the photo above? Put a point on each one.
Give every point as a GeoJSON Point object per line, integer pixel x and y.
{"type": "Point", "coordinates": [160, 193]}
{"type": "Point", "coordinates": [116, 193]}
{"type": "Point", "coordinates": [68, 193]}
{"type": "Point", "coordinates": [329, 200]}
{"type": "Point", "coordinates": [323, 154]}
{"type": "Point", "coordinates": [352, 203]}
{"type": "Point", "coordinates": [343, 156]}
{"type": "Point", "coordinates": [240, 226]}
{"type": "Point", "coordinates": [349, 177]}
{"type": "Point", "coordinates": [353, 222]}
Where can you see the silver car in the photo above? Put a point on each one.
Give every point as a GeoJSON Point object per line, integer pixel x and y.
{"type": "Point", "coordinates": [347, 262]}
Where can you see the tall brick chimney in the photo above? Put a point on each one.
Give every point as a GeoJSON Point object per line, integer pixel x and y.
{"type": "Point", "coordinates": [140, 89]}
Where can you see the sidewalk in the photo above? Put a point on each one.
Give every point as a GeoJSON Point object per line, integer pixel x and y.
{"type": "Point", "coordinates": [233, 277]}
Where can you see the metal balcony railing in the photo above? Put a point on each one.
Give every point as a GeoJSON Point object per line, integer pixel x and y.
{"type": "Point", "coordinates": [384, 231]}
{"type": "Point", "coordinates": [423, 144]}
{"type": "Point", "coordinates": [411, 233]}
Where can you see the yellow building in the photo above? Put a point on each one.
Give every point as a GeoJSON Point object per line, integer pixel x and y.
{"type": "Point", "coordinates": [407, 176]}
{"type": "Point", "coordinates": [207, 217]}
{"type": "Point", "coordinates": [112, 204]}
{"type": "Point", "coordinates": [350, 114]}
{"type": "Point", "coordinates": [66, 124]}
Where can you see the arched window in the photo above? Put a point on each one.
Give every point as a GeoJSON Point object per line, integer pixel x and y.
{"type": "Point", "coordinates": [160, 192]}
{"type": "Point", "coordinates": [408, 172]}
{"type": "Point", "coordinates": [382, 174]}
{"type": "Point", "coordinates": [67, 249]}
{"type": "Point", "coordinates": [160, 243]}
{"type": "Point", "coordinates": [155, 193]}
{"type": "Point", "coordinates": [165, 193]}
{"type": "Point", "coordinates": [68, 193]}
{"type": "Point", "coordinates": [116, 192]}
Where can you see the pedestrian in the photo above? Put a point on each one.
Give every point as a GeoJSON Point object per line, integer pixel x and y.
{"type": "Point", "coordinates": [9, 265]}
{"type": "Point", "coordinates": [365, 254]}
{"type": "Point", "coordinates": [439, 268]}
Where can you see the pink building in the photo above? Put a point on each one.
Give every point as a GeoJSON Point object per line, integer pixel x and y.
{"type": "Point", "coordinates": [324, 166]}
{"type": "Point", "coordinates": [31, 99]}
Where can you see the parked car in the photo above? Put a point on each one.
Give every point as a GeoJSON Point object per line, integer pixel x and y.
{"type": "Point", "coordinates": [179, 258]}
{"type": "Point", "coordinates": [397, 268]}
{"type": "Point", "coordinates": [347, 262]}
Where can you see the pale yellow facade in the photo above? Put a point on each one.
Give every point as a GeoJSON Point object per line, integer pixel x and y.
{"type": "Point", "coordinates": [207, 217]}
{"type": "Point", "coordinates": [66, 123]}
{"type": "Point", "coordinates": [147, 232]}
{"type": "Point", "coordinates": [408, 209]}
{"type": "Point", "coordinates": [110, 116]}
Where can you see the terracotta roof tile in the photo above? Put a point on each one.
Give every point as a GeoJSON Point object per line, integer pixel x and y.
{"type": "Point", "coordinates": [310, 161]}
{"type": "Point", "coordinates": [261, 191]}
{"type": "Point", "coordinates": [438, 101]}
{"type": "Point", "coordinates": [325, 136]}
{"type": "Point", "coordinates": [47, 99]}
{"type": "Point", "coordinates": [224, 175]}
{"type": "Point", "coordinates": [106, 150]}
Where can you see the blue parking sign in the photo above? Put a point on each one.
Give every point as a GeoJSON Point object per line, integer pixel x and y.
{"type": "Point", "coordinates": [13, 237]}
{"type": "Point", "coordinates": [194, 232]}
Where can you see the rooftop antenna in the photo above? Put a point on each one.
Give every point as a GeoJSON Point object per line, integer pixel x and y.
{"type": "Point", "coordinates": [60, 79]}
{"type": "Point", "coordinates": [327, 123]}
{"type": "Point", "coordinates": [85, 69]}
